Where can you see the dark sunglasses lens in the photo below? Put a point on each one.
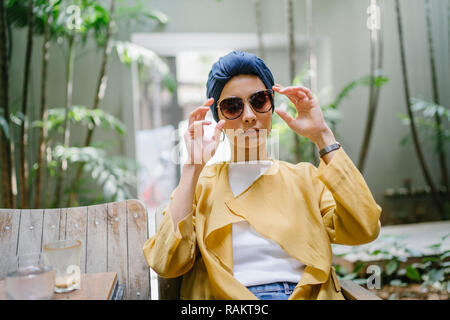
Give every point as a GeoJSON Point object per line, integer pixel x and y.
{"type": "Point", "coordinates": [261, 101]}
{"type": "Point", "coordinates": [232, 107]}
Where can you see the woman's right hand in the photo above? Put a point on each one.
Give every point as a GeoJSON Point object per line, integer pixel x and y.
{"type": "Point", "coordinates": [200, 149]}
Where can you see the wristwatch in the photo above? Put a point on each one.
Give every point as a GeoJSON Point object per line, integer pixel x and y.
{"type": "Point", "coordinates": [330, 148]}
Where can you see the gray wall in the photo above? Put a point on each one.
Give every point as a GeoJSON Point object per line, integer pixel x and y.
{"type": "Point", "coordinates": [343, 25]}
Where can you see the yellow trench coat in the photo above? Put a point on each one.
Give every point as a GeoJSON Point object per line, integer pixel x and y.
{"type": "Point", "coordinates": [302, 208]}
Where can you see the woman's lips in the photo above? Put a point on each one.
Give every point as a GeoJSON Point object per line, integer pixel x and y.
{"type": "Point", "coordinates": [251, 131]}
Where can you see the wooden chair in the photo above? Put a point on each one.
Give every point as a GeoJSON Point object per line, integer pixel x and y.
{"type": "Point", "coordinates": [112, 236]}
{"type": "Point", "coordinates": [169, 289]}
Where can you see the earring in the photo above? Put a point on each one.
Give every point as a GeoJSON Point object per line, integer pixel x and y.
{"type": "Point", "coordinates": [223, 139]}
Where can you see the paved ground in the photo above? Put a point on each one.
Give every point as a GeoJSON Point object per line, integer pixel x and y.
{"type": "Point", "coordinates": [401, 240]}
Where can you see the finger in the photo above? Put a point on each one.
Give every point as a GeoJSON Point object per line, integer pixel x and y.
{"type": "Point", "coordinates": [208, 102]}
{"type": "Point", "coordinates": [293, 91]}
{"type": "Point", "coordinates": [198, 129]}
{"type": "Point", "coordinates": [295, 99]}
{"type": "Point", "coordinates": [218, 131]}
{"type": "Point", "coordinates": [193, 116]}
{"type": "Point", "coordinates": [200, 112]}
{"type": "Point", "coordinates": [296, 89]}
{"type": "Point", "coordinates": [197, 125]}
{"type": "Point", "coordinates": [277, 86]}
{"type": "Point", "coordinates": [285, 116]}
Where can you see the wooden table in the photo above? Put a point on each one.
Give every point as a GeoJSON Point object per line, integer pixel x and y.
{"type": "Point", "coordinates": [94, 286]}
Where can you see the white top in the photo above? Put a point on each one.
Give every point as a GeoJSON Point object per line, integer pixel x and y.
{"type": "Point", "coordinates": [256, 259]}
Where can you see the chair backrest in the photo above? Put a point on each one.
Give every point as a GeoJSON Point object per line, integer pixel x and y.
{"type": "Point", "coordinates": [112, 236]}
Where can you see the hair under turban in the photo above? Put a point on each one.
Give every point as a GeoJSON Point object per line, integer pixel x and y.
{"type": "Point", "coordinates": [233, 64]}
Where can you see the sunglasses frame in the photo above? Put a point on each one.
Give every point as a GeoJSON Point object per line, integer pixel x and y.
{"type": "Point", "coordinates": [271, 92]}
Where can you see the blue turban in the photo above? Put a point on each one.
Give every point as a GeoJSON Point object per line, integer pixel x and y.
{"type": "Point", "coordinates": [233, 64]}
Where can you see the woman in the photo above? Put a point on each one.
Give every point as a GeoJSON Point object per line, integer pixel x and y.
{"type": "Point", "coordinates": [255, 227]}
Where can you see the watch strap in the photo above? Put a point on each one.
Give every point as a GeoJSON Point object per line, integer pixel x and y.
{"type": "Point", "coordinates": [329, 148]}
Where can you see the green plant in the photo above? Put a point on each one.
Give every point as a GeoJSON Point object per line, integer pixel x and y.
{"type": "Point", "coordinates": [55, 155]}
{"type": "Point", "coordinates": [414, 132]}
{"type": "Point", "coordinates": [426, 125]}
{"type": "Point", "coordinates": [114, 175]}
{"type": "Point", "coordinates": [392, 253]}
{"type": "Point", "coordinates": [434, 271]}
{"type": "Point", "coordinates": [434, 137]}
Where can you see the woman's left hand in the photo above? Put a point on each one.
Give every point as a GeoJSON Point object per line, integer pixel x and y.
{"type": "Point", "coordinates": [309, 122]}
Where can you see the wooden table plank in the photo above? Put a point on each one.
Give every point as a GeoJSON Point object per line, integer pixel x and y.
{"type": "Point", "coordinates": [94, 286]}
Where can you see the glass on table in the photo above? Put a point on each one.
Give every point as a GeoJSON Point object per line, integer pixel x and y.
{"type": "Point", "coordinates": [29, 278]}
{"type": "Point", "coordinates": [64, 256]}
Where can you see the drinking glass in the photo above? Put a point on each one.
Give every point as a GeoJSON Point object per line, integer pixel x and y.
{"type": "Point", "coordinates": [64, 256]}
{"type": "Point", "coordinates": [29, 278]}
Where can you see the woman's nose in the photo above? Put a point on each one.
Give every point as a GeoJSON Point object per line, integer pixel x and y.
{"type": "Point", "coordinates": [248, 113]}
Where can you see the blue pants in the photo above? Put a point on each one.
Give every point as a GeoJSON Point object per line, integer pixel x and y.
{"type": "Point", "coordinates": [273, 291]}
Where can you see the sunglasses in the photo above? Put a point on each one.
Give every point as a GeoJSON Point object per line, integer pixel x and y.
{"type": "Point", "coordinates": [260, 101]}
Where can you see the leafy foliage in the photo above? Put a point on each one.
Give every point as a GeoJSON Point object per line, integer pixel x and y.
{"type": "Point", "coordinates": [115, 175]}
{"type": "Point", "coordinates": [425, 112]}
{"type": "Point", "coordinates": [129, 52]}
{"type": "Point", "coordinates": [81, 115]}
{"type": "Point", "coordinates": [77, 22]}
{"type": "Point", "coordinates": [431, 271]}
{"type": "Point", "coordinates": [140, 14]}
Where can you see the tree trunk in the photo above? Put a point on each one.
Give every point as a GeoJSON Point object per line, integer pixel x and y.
{"type": "Point", "coordinates": [99, 95]}
{"type": "Point", "coordinates": [23, 163]}
{"type": "Point", "coordinates": [5, 145]}
{"type": "Point", "coordinates": [42, 134]}
{"type": "Point", "coordinates": [376, 63]}
{"type": "Point", "coordinates": [439, 135]}
{"type": "Point", "coordinates": [66, 125]}
{"type": "Point", "coordinates": [415, 137]}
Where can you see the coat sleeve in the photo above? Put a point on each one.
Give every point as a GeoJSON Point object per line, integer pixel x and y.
{"type": "Point", "coordinates": [172, 253]}
{"type": "Point", "coordinates": [349, 212]}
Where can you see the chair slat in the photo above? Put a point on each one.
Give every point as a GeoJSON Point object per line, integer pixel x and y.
{"type": "Point", "coordinates": [9, 234]}
{"type": "Point", "coordinates": [76, 230]}
{"type": "Point", "coordinates": [353, 291]}
{"type": "Point", "coordinates": [62, 223]}
{"type": "Point", "coordinates": [138, 272]}
{"type": "Point", "coordinates": [97, 238]}
{"type": "Point", "coordinates": [50, 229]}
{"type": "Point", "coordinates": [117, 241]}
{"type": "Point", "coordinates": [30, 231]}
